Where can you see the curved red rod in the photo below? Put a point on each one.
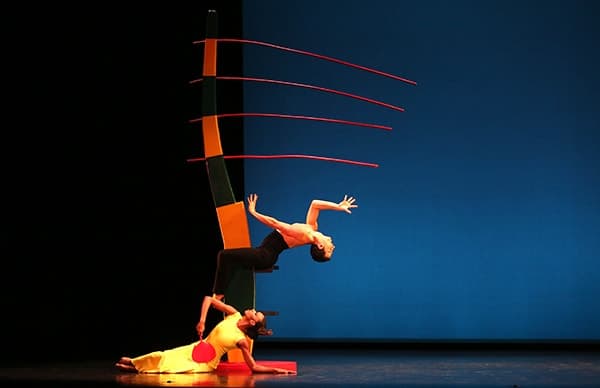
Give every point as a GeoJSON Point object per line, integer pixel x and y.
{"type": "Point", "coordinates": [292, 156]}
{"type": "Point", "coordinates": [331, 59]}
{"type": "Point", "coordinates": [376, 102]}
{"type": "Point", "coordinates": [338, 121]}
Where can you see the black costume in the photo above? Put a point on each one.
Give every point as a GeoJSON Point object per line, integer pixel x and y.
{"type": "Point", "coordinates": [262, 257]}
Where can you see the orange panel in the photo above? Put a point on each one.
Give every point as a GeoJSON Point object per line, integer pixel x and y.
{"type": "Point", "coordinates": [210, 58]}
{"type": "Point", "coordinates": [211, 137]}
{"type": "Point", "coordinates": [235, 355]}
{"type": "Point", "coordinates": [234, 225]}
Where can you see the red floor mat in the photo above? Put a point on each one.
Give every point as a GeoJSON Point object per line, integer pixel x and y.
{"type": "Point", "coordinates": [226, 367]}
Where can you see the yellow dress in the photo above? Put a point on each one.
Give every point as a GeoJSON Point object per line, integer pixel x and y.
{"type": "Point", "coordinates": [224, 337]}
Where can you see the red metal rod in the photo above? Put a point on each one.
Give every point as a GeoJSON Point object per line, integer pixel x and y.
{"type": "Point", "coordinates": [376, 102]}
{"type": "Point", "coordinates": [331, 59]}
{"type": "Point", "coordinates": [295, 156]}
{"type": "Point", "coordinates": [285, 116]}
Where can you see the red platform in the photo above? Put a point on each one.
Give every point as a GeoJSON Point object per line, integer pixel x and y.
{"type": "Point", "coordinates": [240, 368]}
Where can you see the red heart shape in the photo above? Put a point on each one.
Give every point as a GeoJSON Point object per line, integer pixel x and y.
{"type": "Point", "coordinates": [203, 352]}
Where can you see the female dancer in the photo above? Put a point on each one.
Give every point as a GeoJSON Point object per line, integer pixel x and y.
{"type": "Point", "coordinates": [228, 334]}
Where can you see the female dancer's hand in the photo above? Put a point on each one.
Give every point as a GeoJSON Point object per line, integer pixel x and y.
{"type": "Point", "coordinates": [285, 371]}
{"type": "Point", "coordinates": [200, 329]}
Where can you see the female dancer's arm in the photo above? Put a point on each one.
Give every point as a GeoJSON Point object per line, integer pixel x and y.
{"type": "Point", "coordinates": [206, 304]}
{"type": "Point", "coordinates": [257, 368]}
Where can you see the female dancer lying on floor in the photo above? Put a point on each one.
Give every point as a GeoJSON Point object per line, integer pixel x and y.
{"type": "Point", "coordinates": [228, 334]}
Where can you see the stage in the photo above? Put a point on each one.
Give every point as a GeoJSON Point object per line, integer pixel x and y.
{"type": "Point", "coordinates": [372, 366]}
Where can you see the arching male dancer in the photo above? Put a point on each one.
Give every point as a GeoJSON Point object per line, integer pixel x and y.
{"type": "Point", "coordinates": [284, 236]}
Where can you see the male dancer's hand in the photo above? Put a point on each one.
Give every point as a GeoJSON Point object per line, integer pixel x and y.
{"type": "Point", "coordinates": [252, 198]}
{"type": "Point", "coordinates": [348, 203]}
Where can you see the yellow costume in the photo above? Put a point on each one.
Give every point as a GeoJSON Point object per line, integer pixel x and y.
{"type": "Point", "coordinates": [224, 337]}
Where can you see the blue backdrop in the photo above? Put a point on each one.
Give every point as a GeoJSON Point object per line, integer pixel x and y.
{"type": "Point", "coordinates": [482, 220]}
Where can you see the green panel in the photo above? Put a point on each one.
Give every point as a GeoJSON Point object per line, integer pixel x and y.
{"type": "Point", "coordinates": [219, 181]}
{"type": "Point", "coordinates": [240, 293]}
{"type": "Point", "coordinates": [211, 24]}
{"type": "Point", "coordinates": [209, 96]}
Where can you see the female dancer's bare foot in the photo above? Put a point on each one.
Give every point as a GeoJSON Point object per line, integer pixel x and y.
{"type": "Point", "coordinates": [125, 367]}
{"type": "Point", "coordinates": [126, 361]}
{"type": "Point", "coordinates": [125, 364]}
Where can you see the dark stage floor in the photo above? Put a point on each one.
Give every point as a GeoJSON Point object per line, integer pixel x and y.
{"type": "Point", "coordinates": [349, 367]}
